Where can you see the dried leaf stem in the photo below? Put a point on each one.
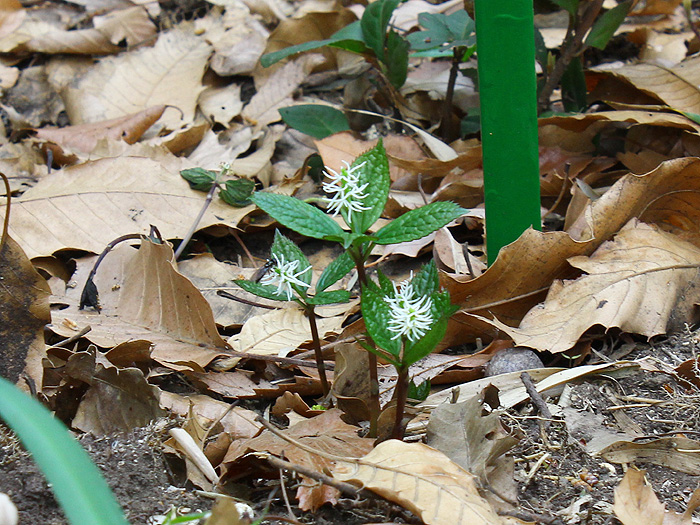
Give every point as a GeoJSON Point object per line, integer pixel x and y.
{"type": "Point", "coordinates": [6, 222]}
{"type": "Point", "coordinates": [193, 228]}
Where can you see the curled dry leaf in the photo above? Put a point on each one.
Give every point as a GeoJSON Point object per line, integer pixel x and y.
{"type": "Point", "coordinates": [643, 281]}
{"type": "Point", "coordinates": [423, 480]}
{"type": "Point", "coordinates": [677, 453]}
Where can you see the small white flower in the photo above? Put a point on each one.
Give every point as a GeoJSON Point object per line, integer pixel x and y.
{"type": "Point", "coordinates": [347, 191]}
{"type": "Point", "coordinates": [410, 315]}
{"type": "Point", "coordinates": [283, 275]}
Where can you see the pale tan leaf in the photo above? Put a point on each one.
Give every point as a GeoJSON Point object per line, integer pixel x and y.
{"type": "Point", "coordinates": [423, 480]}
{"type": "Point", "coordinates": [84, 137]}
{"type": "Point", "coordinates": [678, 453]}
{"type": "Point", "coordinates": [221, 104]}
{"type": "Point", "coordinates": [636, 282]}
{"type": "Point", "coordinates": [11, 16]}
{"type": "Point", "coordinates": [24, 309]}
{"type": "Point", "coordinates": [254, 164]}
{"type": "Point", "coordinates": [132, 26]}
{"type": "Point", "coordinates": [87, 206]}
{"type": "Point", "coordinates": [168, 73]}
{"type": "Point", "coordinates": [143, 297]}
{"type": "Point", "coordinates": [278, 90]}
{"type": "Point", "coordinates": [635, 501]}
{"type": "Point", "coordinates": [279, 332]}
{"type": "Point", "coordinates": [216, 148]}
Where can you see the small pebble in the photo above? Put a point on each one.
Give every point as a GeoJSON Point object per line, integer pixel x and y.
{"type": "Point", "coordinates": [512, 360]}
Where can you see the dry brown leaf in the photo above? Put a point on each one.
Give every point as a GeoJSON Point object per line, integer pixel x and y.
{"type": "Point", "coordinates": [221, 105]}
{"type": "Point", "coordinates": [641, 282]}
{"type": "Point", "coordinates": [238, 42]}
{"type": "Point", "coordinates": [635, 501]}
{"type": "Point", "coordinates": [582, 121]}
{"type": "Point", "coordinates": [168, 73]}
{"type": "Point", "coordinates": [471, 434]}
{"type": "Point", "coordinates": [85, 137]}
{"type": "Point", "coordinates": [216, 148]}
{"type": "Point", "coordinates": [11, 16]}
{"type": "Point", "coordinates": [24, 309]}
{"type": "Point", "coordinates": [86, 206]}
{"type": "Point", "coordinates": [144, 297]}
{"type": "Point", "coordinates": [327, 433]}
{"type": "Point", "coordinates": [423, 480]}
{"type": "Point", "coordinates": [675, 86]}
{"type": "Point", "coordinates": [678, 453]}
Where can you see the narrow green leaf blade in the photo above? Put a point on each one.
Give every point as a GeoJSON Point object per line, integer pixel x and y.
{"type": "Point", "coordinates": [569, 5]}
{"type": "Point", "coordinates": [79, 488]}
{"type": "Point", "coordinates": [335, 271]}
{"type": "Point", "coordinates": [261, 290]}
{"type": "Point", "coordinates": [418, 223]}
{"type": "Point", "coordinates": [297, 215]}
{"type": "Point", "coordinates": [397, 59]}
{"type": "Point", "coordinates": [374, 23]}
{"type": "Point", "coordinates": [604, 28]}
{"type": "Point", "coordinates": [316, 120]}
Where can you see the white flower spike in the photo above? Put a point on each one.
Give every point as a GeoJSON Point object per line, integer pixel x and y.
{"type": "Point", "coordinates": [348, 193]}
{"type": "Point", "coordinates": [283, 275]}
{"type": "Point", "coordinates": [410, 315]}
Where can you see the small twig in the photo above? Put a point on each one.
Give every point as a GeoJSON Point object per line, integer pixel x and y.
{"type": "Point", "coordinates": [245, 248]}
{"type": "Point", "coordinates": [285, 496]}
{"type": "Point", "coordinates": [193, 228]}
{"type": "Point", "coordinates": [6, 222]}
{"type": "Point", "coordinates": [72, 338]}
{"type": "Point", "coordinates": [537, 400]}
{"type": "Point", "coordinates": [277, 359]}
{"type": "Point", "coordinates": [345, 488]}
{"type": "Point", "coordinates": [227, 295]}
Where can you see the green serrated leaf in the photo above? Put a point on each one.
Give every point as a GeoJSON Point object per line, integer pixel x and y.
{"type": "Point", "coordinates": [375, 312]}
{"type": "Point", "coordinates": [426, 282]}
{"type": "Point", "coordinates": [418, 223]}
{"type": "Point", "coordinates": [374, 173]}
{"type": "Point", "coordinates": [604, 28]}
{"type": "Point", "coordinates": [332, 297]}
{"type": "Point", "coordinates": [261, 290]}
{"type": "Point", "coordinates": [397, 59]}
{"type": "Point", "coordinates": [297, 215]}
{"type": "Point", "coordinates": [414, 352]}
{"type": "Point", "coordinates": [316, 120]}
{"type": "Point", "coordinates": [374, 24]}
{"type": "Point", "coordinates": [385, 284]}
{"type": "Point", "coordinates": [199, 178]}
{"type": "Point", "coordinates": [237, 193]}
{"type": "Point", "coordinates": [286, 250]}
{"type": "Point", "coordinates": [335, 271]}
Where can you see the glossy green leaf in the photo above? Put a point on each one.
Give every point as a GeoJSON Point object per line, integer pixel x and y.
{"type": "Point", "coordinates": [297, 215]}
{"type": "Point", "coordinates": [414, 352]}
{"type": "Point", "coordinates": [426, 281]}
{"type": "Point", "coordinates": [605, 26]}
{"type": "Point", "coordinates": [287, 250]}
{"type": "Point", "coordinates": [332, 297]}
{"type": "Point", "coordinates": [397, 59]}
{"type": "Point", "coordinates": [568, 5]}
{"type": "Point", "coordinates": [199, 178]}
{"type": "Point", "coordinates": [418, 223]}
{"type": "Point", "coordinates": [237, 192]}
{"type": "Point", "coordinates": [375, 173]}
{"type": "Point", "coordinates": [261, 290]}
{"type": "Point", "coordinates": [315, 120]}
{"type": "Point", "coordinates": [375, 312]}
{"type": "Point", "coordinates": [418, 392]}
{"type": "Point", "coordinates": [336, 270]}
{"type": "Point", "coordinates": [374, 24]}
{"type": "Point", "coordinates": [443, 31]}
{"type": "Point", "coordinates": [80, 489]}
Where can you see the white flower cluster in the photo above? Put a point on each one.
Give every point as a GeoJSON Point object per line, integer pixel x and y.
{"type": "Point", "coordinates": [347, 191]}
{"type": "Point", "coordinates": [410, 315]}
{"type": "Point", "coordinates": [283, 275]}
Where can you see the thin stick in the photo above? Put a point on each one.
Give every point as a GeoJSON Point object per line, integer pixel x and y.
{"type": "Point", "coordinates": [537, 400]}
{"type": "Point", "coordinates": [193, 228]}
{"type": "Point", "coordinates": [72, 338]}
{"type": "Point", "coordinates": [6, 222]}
{"type": "Point", "coordinates": [285, 496]}
{"type": "Point", "coordinates": [224, 293]}
{"type": "Point", "coordinates": [345, 488]}
{"type": "Point", "coordinates": [245, 248]}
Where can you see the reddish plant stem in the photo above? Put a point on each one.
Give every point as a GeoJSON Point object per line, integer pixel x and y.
{"type": "Point", "coordinates": [311, 314]}
{"type": "Point", "coordinates": [401, 394]}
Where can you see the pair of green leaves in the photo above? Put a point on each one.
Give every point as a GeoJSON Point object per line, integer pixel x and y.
{"type": "Point", "coordinates": [287, 251]}
{"type": "Point", "coordinates": [377, 315]}
{"type": "Point", "coordinates": [368, 36]}
{"type": "Point", "coordinates": [443, 33]}
{"type": "Point", "coordinates": [312, 222]}
{"type": "Point", "coordinates": [236, 192]}
{"type": "Point", "coordinates": [604, 27]}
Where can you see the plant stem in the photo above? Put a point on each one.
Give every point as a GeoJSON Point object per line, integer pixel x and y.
{"type": "Point", "coordinates": [357, 255]}
{"type": "Point", "coordinates": [193, 228]}
{"type": "Point", "coordinates": [573, 46]}
{"type": "Point", "coordinates": [446, 127]}
{"type": "Point", "coordinates": [401, 393]}
{"type": "Point", "coordinates": [311, 314]}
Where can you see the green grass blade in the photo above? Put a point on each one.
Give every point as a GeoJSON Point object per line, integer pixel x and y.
{"type": "Point", "coordinates": [79, 488]}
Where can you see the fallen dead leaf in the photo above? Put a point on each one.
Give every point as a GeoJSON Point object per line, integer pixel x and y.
{"type": "Point", "coordinates": [635, 501]}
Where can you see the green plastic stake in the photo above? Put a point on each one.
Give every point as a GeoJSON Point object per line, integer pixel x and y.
{"type": "Point", "coordinates": [505, 38]}
{"type": "Point", "coordinates": [79, 488]}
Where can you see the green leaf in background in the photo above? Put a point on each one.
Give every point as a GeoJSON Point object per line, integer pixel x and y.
{"type": "Point", "coordinates": [573, 87]}
{"type": "Point", "coordinates": [397, 59]}
{"type": "Point", "coordinates": [375, 312]}
{"type": "Point", "coordinates": [569, 5]}
{"type": "Point", "coordinates": [348, 38]}
{"type": "Point", "coordinates": [374, 24]}
{"type": "Point", "coordinates": [335, 271]}
{"type": "Point", "coordinates": [604, 28]}
{"type": "Point", "coordinates": [444, 32]}
{"type": "Point", "coordinates": [286, 250]}
{"type": "Point", "coordinates": [418, 223]}
{"type": "Point", "coordinates": [375, 173]}
{"type": "Point", "coordinates": [237, 192]}
{"type": "Point", "coordinates": [297, 215]}
{"type": "Point", "coordinates": [80, 489]}
{"type": "Point", "coordinates": [315, 120]}
{"type": "Point", "coordinates": [267, 291]}
{"type": "Point", "coordinates": [419, 392]}
{"type": "Point", "coordinates": [332, 297]}
{"type": "Point", "coordinates": [199, 178]}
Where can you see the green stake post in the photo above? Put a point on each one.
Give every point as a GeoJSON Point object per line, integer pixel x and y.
{"type": "Point", "coordinates": [508, 93]}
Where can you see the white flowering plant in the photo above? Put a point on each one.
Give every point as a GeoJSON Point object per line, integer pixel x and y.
{"type": "Point", "coordinates": [406, 322]}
